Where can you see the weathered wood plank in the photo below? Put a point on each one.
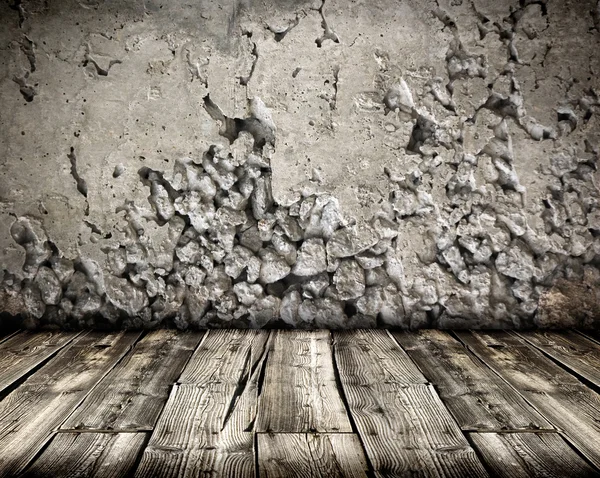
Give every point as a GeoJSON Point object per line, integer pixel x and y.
{"type": "Point", "coordinates": [519, 455]}
{"type": "Point", "coordinates": [299, 455]}
{"type": "Point", "coordinates": [405, 427]}
{"type": "Point", "coordinates": [387, 362]}
{"type": "Point", "coordinates": [82, 455]}
{"type": "Point", "coordinates": [556, 394]}
{"type": "Point", "coordinates": [571, 349]}
{"type": "Point", "coordinates": [300, 392]}
{"type": "Point", "coordinates": [21, 353]}
{"type": "Point", "coordinates": [30, 414]}
{"type": "Point", "coordinates": [477, 398]}
{"type": "Point", "coordinates": [133, 394]}
{"type": "Point", "coordinates": [206, 425]}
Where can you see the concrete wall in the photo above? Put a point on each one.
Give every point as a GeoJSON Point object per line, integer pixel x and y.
{"type": "Point", "coordinates": [330, 163]}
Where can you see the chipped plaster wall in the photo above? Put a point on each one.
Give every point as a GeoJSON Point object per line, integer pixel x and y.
{"type": "Point", "coordinates": [330, 163]}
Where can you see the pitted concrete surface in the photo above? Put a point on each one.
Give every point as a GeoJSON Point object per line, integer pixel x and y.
{"type": "Point", "coordinates": [308, 164]}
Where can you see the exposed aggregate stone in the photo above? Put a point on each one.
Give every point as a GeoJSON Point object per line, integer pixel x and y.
{"type": "Point", "coordinates": [456, 242]}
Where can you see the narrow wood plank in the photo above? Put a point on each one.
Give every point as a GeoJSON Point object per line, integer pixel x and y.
{"type": "Point", "coordinates": [82, 455]}
{"type": "Point", "coordinates": [387, 362]}
{"type": "Point", "coordinates": [300, 455]}
{"type": "Point", "coordinates": [557, 395]}
{"type": "Point", "coordinates": [570, 349]}
{"type": "Point", "coordinates": [300, 392]}
{"type": "Point", "coordinates": [519, 455]}
{"type": "Point", "coordinates": [477, 398]}
{"type": "Point", "coordinates": [132, 396]}
{"type": "Point", "coordinates": [206, 425]}
{"type": "Point", "coordinates": [21, 353]}
{"type": "Point", "coordinates": [30, 414]}
{"type": "Point", "coordinates": [405, 427]}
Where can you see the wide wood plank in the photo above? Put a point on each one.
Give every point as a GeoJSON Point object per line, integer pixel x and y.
{"type": "Point", "coordinates": [21, 353]}
{"type": "Point", "coordinates": [387, 362]}
{"type": "Point", "coordinates": [304, 455]}
{"type": "Point", "coordinates": [206, 425]}
{"type": "Point", "coordinates": [557, 395]}
{"type": "Point", "coordinates": [132, 396]}
{"type": "Point", "coordinates": [82, 455]}
{"type": "Point", "coordinates": [405, 427]}
{"type": "Point", "coordinates": [30, 414]}
{"type": "Point", "coordinates": [300, 393]}
{"type": "Point", "coordinates": [571, 349]}
{"type": "Point", "coordinates": [519, 455]}
{"type": "Point", "coordinates": [477, 398]}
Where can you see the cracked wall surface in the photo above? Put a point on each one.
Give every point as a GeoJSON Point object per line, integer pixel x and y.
{"type": "Point", "coordinates": [320, 163]}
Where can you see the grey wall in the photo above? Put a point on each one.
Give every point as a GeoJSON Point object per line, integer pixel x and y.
{"type": "Point", "coordinates": [314, 164]}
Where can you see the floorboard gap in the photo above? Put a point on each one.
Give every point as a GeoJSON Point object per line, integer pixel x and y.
{"type": "Point", "coordinates": [116, 364]}
{"type": "Point", "coordinates": [138, 459]}
{"type": "Point", "coordinates": [16, 384]}
{"type": "Point", "coordinates": [581, 455]}
{"type": "Point", "coordinates": [99, 430]}
{"type": "Point", "coordinates": [591, 385]}
{"type": "Point", "coordinates": [473, 355]}
{"type": "Point", "coordinates": [38, 454]}
{"type": "Point", "coordinates": [478, 454]}
{"type": "Point", "coordinates": [340, 387]}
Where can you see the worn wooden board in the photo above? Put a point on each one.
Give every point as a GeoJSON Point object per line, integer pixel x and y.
{"type": "Point", "coordinates": [206, 425]}
{"type": "Point", "coordinates": [21, 353]}
{"type": "Point", "coordinates": [300, 455]}
{"type": "Point", "coordinates": [519, 455]}
{"type": "Point", "coordinates": [387, 361]}
{"type": "Point", "coordinates": [82, 455]}
{"type": "Point", "coordinates": [300, 392]}
{"type": "Point", "coordinates": [30, 414]}
{"type": "Point", "coordinates": [556, 394]}
{"type": "Point", "coordinates": [404, 426]}
{"type": "Point", "coordinates": [132, 396]}
{"type": "Point", "coordinates": [477, 398]}
{"type": "Point", "coordinates": [571, 349]}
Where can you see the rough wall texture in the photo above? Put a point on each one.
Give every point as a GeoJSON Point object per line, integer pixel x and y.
{"type": "Point", "coordinates": [331, 163]}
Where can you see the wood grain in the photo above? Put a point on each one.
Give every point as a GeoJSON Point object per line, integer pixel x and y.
{"type": "Point", "coordinates": [404, 426]}
{"type": "Point", "coordinates": [21, 353]}
{"type": "Point", "coordinates": [206, 427]}
{"type": "Point", "coordinates": [387, 362]}
{"type": "Point", "coordinates": [30, 414]}
{"type": "Point", "coordinates": [556, 394]}
{"type": "Point", "coordinates": [571, 349]}
{"type": "Point", "coordinates": [300, 455]}
{"type": "Point", "coordinates": [97, 455]}
{"type": "Point", "coordinates": [132, 396]}
{"type": "Point", "coordinates": [518, 455]}
{"type": "Point", "coordinates": [477, 398]}
{"type": "Point", "coordinates": [300, 392]}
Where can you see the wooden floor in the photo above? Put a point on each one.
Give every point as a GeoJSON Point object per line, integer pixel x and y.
{"type": "Point", "coordinates": [237, 403]}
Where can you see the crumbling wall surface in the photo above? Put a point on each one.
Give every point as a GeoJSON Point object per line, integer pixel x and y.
{"type": "Point", "coordinates": [326, 163]}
